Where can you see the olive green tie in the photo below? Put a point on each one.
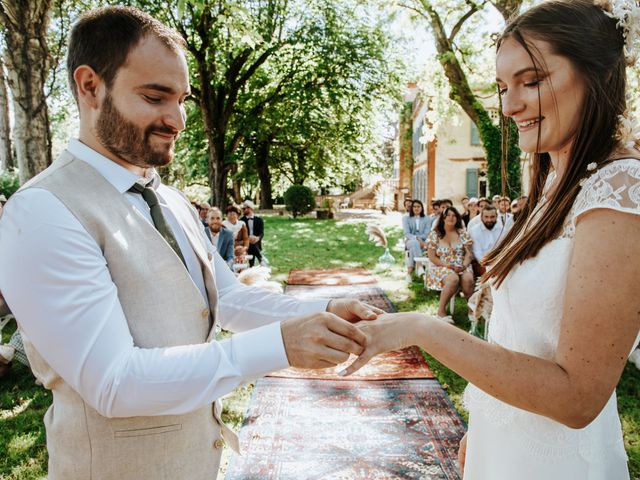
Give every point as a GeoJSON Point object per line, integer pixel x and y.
{"type": "Point", "coordinates": [149, 196]}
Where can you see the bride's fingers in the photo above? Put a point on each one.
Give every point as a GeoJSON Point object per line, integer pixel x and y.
{"type": "Point", "coordinates": [358, 363]}
{"type": "Point", "coordinates": [376, 310]}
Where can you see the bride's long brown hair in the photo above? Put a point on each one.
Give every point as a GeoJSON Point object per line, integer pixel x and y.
{"type": "Point", "coordinates": [581, 32]}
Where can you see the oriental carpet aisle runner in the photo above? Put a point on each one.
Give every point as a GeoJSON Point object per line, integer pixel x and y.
{"type": "Point", "coordinates": [390, 420]}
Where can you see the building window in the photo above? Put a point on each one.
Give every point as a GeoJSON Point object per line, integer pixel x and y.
{"type": "Point", "coordinates": [419, 185]}
{"type": "Point", "coordinates": [472, 182]}
{"type": "Point", "coordinates": [494, 115]}
{"type": "Point", "coordinates": [475, 136]}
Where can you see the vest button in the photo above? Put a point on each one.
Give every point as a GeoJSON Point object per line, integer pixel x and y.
{"type": "Point", "coordinates": [218, 444]}
{"type": "Point", "coordinates": [205, 313]}
{"type": "Point", "coordinates": [210, 256]}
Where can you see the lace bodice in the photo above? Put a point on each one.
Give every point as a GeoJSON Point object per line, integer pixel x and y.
{"type": "Point", "coordinates": [528, 308]}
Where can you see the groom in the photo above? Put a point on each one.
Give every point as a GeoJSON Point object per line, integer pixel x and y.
{"type": "Point", "coordinates": [117, 290]}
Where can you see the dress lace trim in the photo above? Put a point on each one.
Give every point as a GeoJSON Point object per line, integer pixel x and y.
{"type": "Point", "coordinates": [615, 186]}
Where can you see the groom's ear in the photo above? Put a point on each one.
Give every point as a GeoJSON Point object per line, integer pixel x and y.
{"type": "Point", "coordinates": [88, 87]}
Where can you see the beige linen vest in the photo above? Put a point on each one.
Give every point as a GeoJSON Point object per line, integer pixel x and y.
{"type": "Point", "coordinates": [163, 308]}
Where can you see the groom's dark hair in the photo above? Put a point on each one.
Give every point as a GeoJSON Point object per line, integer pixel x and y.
{"type": "Point", "coordinates": [102, 39]}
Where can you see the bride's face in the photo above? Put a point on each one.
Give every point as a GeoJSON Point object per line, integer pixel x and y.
{"type": "Point", "coordinates": [549, 99]}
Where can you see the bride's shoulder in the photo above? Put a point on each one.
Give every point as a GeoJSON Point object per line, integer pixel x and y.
{"type": "Point", "coordinates": [614, 186]}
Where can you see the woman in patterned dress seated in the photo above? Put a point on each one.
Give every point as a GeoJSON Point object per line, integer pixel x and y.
{"type": "Point", "coordinates": [449, 250]}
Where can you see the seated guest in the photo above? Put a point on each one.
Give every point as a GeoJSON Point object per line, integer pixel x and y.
{"type": "Point", "coordinates": [482, 202]}
{"type": "Point", "coordinates": [436, 208]}
{"type": "Point", "coordinates": [255, 227]}
{"type": "Point", "coordinates": [505, 218]}
{"type": "Point", "coordinates": [514, 209]}
{"type": "Point", "coordinates": [465, 209]}
{"type": "Point", "coordinates": [239, 230]}
{"type": "Point", "coordinates": [221, 238]}
{"type": "Point", "coordinates": [485, 236]}
{"type": "Point", "coordinates": [204, 211]}
{"type": "Point", "coordinates": [407, 206]}
{"type": "Point", "coordinates": [14, 350]}
{"type": "Point", "coordinates": [472, 210]}
{"type": "Point", "coordinates": [449, 251]}
{"type": "Point", "coordinates": [198, 208]}
{"type": "Point", "coordinates": [444, 203]}
{"type": "Point", "coordinates": [416, 227]}
{"type": "Point", "coordinates": [521, 202]}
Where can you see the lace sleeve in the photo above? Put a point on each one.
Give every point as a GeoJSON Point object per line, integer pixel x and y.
{"type": "Point", "coordinates": [615, 186]}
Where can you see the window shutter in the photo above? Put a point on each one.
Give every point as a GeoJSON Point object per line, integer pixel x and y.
{"type": "Point", "coordinates": [472, 182]}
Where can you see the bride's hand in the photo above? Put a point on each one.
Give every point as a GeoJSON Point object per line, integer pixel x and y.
{"type": "Point", "coordinates": [391, 331]}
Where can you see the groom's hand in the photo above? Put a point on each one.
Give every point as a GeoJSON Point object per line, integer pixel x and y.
{"type": "Point", "coordinates": [320, 340]}
{"type": "Point", "coordinates": [353, 310]}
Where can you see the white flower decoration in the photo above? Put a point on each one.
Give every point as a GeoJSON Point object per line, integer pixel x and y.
{"type": "Point", "coordinates": [628, 131]}
{"type": "Point", "coordinates": [627, 15]}
{"type": "Point", "coordinates": [592, 166]}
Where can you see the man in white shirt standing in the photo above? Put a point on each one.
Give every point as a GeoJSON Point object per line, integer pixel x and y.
{"type": "Point", "coordinates": [97, 253]}
{"type": "Point", "coordinates": [485, 236]}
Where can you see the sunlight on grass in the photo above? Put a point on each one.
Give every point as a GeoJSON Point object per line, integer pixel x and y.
{"type": "Point", "coordinates": [21, 443]}
{"type": "Point", "coordinates": [17, 410]}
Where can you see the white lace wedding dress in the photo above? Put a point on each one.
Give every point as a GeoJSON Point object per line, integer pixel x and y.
{"type": "Point", "coordinates": [507, 443]}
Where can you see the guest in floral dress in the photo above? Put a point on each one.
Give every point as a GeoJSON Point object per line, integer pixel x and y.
{"type": "Point", "coordinates": [449, 250]}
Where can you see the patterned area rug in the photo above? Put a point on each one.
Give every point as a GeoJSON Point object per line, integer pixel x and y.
{"type": "Point", "coordinates": [334, 276]}
{"type": "Point", "coordinates": [319, 429]}
{"type": "Point", "coordinates": [365, 293]}
{"type": "Point", "coordinates": [407, 363]}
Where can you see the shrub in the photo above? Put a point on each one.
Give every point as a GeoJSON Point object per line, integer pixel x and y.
{"type": "Point", "coordinates": [9, 182]}
{"type": "Point", "coordinates": [299, 200]}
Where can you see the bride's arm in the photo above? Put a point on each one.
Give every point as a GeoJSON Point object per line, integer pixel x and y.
{"type": "Point", "coordinates": [600, 322]}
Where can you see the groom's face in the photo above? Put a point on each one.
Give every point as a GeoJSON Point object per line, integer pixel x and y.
{"type": "Point", "coordinates": [143, 112]}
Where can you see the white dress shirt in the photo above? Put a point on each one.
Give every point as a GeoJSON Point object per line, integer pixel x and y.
{"type": "Point", "coordinates": [474, 221]}
{"type": "Point", "coordinates": [214, 238]}
{"type": "Point", "coordinates": [484, 239]}
{"type": "Point", "coordinates": [57, 282]}
{"type": "Point", "coordinates": [250, 224]}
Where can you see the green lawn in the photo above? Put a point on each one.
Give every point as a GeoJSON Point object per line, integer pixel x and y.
{"type": "Point", "coordinates": [301, 243]}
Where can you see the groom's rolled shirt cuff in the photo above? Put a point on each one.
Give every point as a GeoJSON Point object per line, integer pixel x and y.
{"type": "Point", "coordinates": [260, 351]}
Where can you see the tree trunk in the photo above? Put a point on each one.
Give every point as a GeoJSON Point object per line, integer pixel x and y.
{"type": "Point", "coordinates": [299, 170]}
{"type": "Point", "coordinates": [462, 94]}
{"type": "Point", "coordinates": [215, 134]}
{"type": "Point", "coordinates": [236, 183]}
{"type": "Point", "coordinates": [262, 165]}
{"type": "Point", "coordinates": [6, 151]}
{"type": "Point", "coordinates": [27, 60]}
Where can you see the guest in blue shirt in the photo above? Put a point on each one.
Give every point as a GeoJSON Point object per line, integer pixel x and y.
{"type": "Point", "coordinates": [416, 227]}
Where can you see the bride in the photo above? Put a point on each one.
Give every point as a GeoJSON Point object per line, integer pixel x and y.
{"type": "Point", "coordinates": [566, 313]}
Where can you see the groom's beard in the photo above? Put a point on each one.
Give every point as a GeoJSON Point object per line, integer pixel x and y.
{"type": "Point", "coordinates": [129, 142]}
